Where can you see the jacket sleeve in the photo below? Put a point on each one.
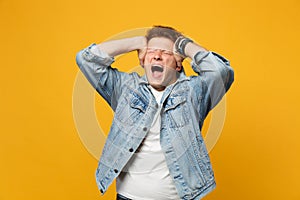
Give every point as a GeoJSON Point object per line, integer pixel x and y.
{"type": "Point", "coordinates": [216, 76]}
{"type": "Point", "coordinates": [96, 66]}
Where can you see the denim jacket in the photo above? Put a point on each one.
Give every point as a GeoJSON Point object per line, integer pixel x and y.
{"type": "Point", "coordinates": [185, 104]}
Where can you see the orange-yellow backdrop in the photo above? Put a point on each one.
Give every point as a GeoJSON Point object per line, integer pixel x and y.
{"type": "Point", "coordinates": [41, 154]}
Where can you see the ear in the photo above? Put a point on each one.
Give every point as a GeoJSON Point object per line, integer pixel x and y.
{"type": "Point", "coordinates": [142, 63]}
{"type": "Point", "coordinates": [179, 66]}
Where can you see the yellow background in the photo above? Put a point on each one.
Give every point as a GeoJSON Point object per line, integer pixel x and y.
{"type": "Point", "coordinates": [41, 154]}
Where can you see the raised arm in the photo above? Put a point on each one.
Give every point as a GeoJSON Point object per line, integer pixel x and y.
{"type": "Point", "coordinates": [117, 47]}
{"type": "Point", "coordinates": [95, 63]}
{"type": "Point", "coordinates": [215, 74]}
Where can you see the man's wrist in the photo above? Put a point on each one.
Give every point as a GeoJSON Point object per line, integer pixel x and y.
{"type": "Point", "coordinates": [192, 49]}
{"type": "Point", "coordinates": [137, 43]}
{"type": "Point", "coordinates": [180, 45]}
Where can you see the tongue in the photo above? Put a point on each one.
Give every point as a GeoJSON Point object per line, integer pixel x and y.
{"type": "Point", "coordinates": [157, 74]}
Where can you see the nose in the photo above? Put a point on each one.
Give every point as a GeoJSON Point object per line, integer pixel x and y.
{"type": "Point", "coordinates": [157, 55]}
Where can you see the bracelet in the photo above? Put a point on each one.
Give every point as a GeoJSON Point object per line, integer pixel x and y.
{"type": "Point", "coordinates": [180, 45]}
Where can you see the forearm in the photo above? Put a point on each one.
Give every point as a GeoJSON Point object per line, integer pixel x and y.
{"type": "Point", "coordinates": [117, 47]}
{"type": "Point", "coordinates": [192, 48]}
{"type": "Point", "coordinates": [96, 67]}
{"type": "Point", "coordinates": [215, 72]}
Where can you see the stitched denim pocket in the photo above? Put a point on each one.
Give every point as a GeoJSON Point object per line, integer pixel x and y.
{"type": "Point", "coordinates": [131, 108]}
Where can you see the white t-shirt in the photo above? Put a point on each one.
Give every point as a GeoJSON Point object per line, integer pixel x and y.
{"type": "Point", "coordinates": [146, 175]}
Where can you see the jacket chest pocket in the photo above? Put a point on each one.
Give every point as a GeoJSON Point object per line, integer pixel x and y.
{"type": "Point", "coordinates": [130, 109]}
{"type": "Point", "coordinates": [177, 112]}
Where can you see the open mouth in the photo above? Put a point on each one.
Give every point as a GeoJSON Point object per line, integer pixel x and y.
{"type": "Point", "coordinates": [157, 68]}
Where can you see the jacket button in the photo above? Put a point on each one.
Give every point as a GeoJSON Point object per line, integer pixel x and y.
{"type": "Point", "coordinates": [145, 129]}
{"type": "Point", "coordinates": [116, 171]}
{"type": "Point", "coordinates": [101, 190]}
{"type": "Point", "coordinates": [156, 106]}
{"type": "Point", "coordinates": [131, 150]}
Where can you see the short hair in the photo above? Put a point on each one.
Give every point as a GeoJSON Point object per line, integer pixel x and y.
{"type": "Point", "coordinates": [163, 31]}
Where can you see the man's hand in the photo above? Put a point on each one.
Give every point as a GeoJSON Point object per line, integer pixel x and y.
{"type": "Point", "coordinates": [185, 47]}
{"type": "Point", "coordinates": [179, 56]}
{"type": "Point", "coordinates": [142, 50]}
{"type": "Point", "coordinates": [179, 59]}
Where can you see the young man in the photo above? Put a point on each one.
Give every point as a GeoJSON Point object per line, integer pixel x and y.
{"type": "Point", "coordinates": [155, 148]}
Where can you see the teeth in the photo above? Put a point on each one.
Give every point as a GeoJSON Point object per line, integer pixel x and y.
{"type": "Point", "coordinates": [157, 68]}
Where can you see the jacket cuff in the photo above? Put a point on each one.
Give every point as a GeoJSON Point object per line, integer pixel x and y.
{"type": "Point", "coordinates": [93, 54]}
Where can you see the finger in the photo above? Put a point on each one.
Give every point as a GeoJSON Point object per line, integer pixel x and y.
{"type": "Point", "coordinates": [141, 55]}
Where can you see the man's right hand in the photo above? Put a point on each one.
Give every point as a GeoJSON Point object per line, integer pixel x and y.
{"type": "Point", "coordinates": [142, 50]}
